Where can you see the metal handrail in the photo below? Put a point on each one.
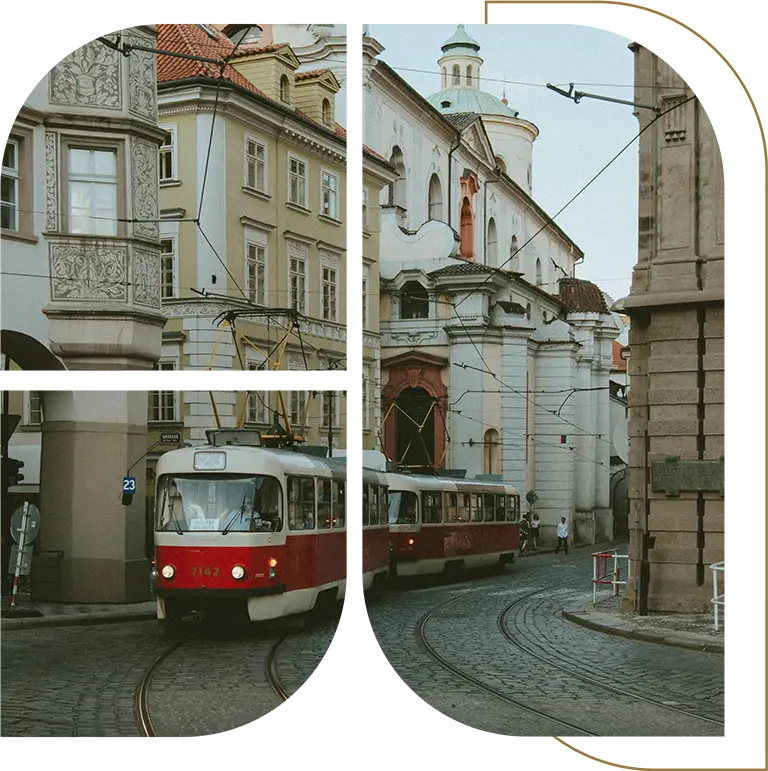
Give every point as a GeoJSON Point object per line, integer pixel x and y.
{"type": "Point", "coordinates": [717, 599]}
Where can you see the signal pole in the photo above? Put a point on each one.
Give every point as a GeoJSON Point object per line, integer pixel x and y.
{"type": "Point", "coordinates": [329, 412]}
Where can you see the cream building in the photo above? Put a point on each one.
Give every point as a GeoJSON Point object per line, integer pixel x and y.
{"type": "Point", "coordinates": [287, 222]}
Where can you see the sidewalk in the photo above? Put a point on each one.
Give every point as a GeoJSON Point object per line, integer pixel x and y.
{"type": "Point", "coordinates": [28, 614]}
{"type": "Point", "coordinates": [695, 631]}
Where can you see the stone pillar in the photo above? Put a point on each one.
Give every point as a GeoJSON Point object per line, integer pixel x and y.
{"type": "Point", "coordinates": [90, 439]}
{"type": "Point", "coordinates": [515, 409]}
{"type": "Point", "coordinates": [462, 455]}
{"type": "Point", "coordinates": [555, 469]}
{"type": "Point", "coordinates": [602, 399]}
{"type": "Point", "coordinates": [583, 443]}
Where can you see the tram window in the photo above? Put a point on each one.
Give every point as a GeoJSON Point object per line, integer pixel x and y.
{"type": "Point", "coordinates": [477, 508]}
{"type": "Point", "coordinates": [383, 504]}
{"type": "Point", "coordinates": [403, 508]}
{"type": "Point", "coordinates": [339, 505]}
{"type": "Point", "coordinates": [373, 505]}
{"type": "Point", "coordinates": [450, 506]}
{"type": "Point", "coordinates": [366, 498]}
{"type": "Point", "coordinates": [488, 507]}
{"type": "Point", "coordinates": [301, 503]}
{"type": "Point", "coordinates": [499, 508]}
{"type": "Point", "coordinates": [465, 510]}
{"type": "Point", "coordinates": [513, 508]}
{"type": "Point", "coordinates": [432, 507]}
{"type": "Point", "coordinates": [324, 503]}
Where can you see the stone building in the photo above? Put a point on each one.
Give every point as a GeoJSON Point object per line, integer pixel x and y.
{"type": "Point", "coordinates": [283, 225]}
{"type": "Point", "coordinates": [504, 363]}
{"type": "Point", "coordinates": [79, 241]}
{"type": "Point", "coordinates": [676, 367]}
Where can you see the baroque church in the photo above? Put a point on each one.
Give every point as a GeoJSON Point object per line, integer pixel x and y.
{"type": "Point", "coordinates": [495, 358]}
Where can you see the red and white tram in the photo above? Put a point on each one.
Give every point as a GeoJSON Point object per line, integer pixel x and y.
{"type": "Point", "coordinates": [248, 529]}
{"type": "Point", "coordinates": [445, 523]}
{"type": "Point", "coordinates": [375, 529]}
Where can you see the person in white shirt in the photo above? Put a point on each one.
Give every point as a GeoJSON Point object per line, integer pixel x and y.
{"type": "Point", "coordinates": [562, 535]}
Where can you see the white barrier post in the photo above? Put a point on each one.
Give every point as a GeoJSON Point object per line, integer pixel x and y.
{"type": "Point", "coordinates": [717, 599]}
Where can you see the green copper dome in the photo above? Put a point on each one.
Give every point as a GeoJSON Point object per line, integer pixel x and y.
{"type": "Point", "coordinates": [460, 99]}
{"type": "Point", "coordinates": [461, 42]}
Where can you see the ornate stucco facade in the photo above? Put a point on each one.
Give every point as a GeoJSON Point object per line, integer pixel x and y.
{"type": "Point", "coordinates": [82, 253]}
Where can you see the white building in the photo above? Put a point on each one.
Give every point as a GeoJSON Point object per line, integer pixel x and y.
{"type": "Point", "coordinates": [489, 342]}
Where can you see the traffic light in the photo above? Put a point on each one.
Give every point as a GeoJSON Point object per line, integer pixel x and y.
{"type": "Point", "coordinates": [11, 471]}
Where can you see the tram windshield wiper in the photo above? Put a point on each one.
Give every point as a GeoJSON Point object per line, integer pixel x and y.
{"type": "Point", "coordinates": [238, 517]}
{"type": "Point", "coordinates": [174, 518]}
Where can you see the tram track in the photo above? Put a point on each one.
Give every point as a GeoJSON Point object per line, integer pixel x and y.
{"type": "Point", "coordinates": [476, 682]}
{"type": "Point", "coordinates": [580, 674]}
{"type": "Point", "coordinates": [270, 670]}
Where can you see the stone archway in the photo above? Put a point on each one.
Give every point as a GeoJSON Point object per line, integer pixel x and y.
{"type": "Point", "coordinates": [415, 392]}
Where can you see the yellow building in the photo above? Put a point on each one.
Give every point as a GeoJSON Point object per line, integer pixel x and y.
{"type": "Point", "coordinates": [284, 223]}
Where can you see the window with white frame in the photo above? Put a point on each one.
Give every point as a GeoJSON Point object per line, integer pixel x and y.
{"type": "Point", "coordinates": [255, 164]}
{"type": "Point", "coordinates": [256, 267]}
{"type": "Point", "coordinates": [365, 298]}
{"type": "Point", "coordinates": [258, 405]}
{"type": "Point", "coordinates": [365, 208]}
{"type": "Point", "coordinates": [329, 294]}
{"type": "Point", "coordinates": [34, 411]}
{"type": "Point", "coordinates": [168, 160]}
{"type": "Point", "coordinates": [92, 188]}
{"type": "Point", "coordinates": [161, 405]}
{"type": "Point", "coordinates": [9, 201]}
{"type": "Point", "coordinates": [167, 268]}
{"type": "Point", "coordinates": [330, 200]}
{"type": "Point", "coordinates": [297, 404]}
{"type": "Point", "coordinates": [298, 278]}
{"type": "Point", "coordinates": [297, 182]}
{"type": "Point", "coordinates": [329, 409]}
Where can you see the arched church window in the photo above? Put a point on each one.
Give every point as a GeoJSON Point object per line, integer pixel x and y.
{"type": "Point", "coordinates": [538, 272]}
{"type": "Point", "coordinates": [285, 95]}
{"type": "Point", "coordinates": [326, 112]}
{"type": "Point", "coordinates": [469, 74]}
{"type": "Point", "coordinates": [396, 194]}
{"type": "Point", "coordinates": [435, 198]}
{"type": "Point", "coordinates": [514, 257]}
{"type": "Point", "coordinates": [491, 452]}
{"type": "Point", "coordinates": [467, 230]}
{"type": "Point", "coordinates": [414, 301]}
{"type": "Point", "coordinates": [492, 257]}
{"type": "Point", "coordinates": [456, 75]}
{"type": "Point", "coordinates": [445, 78]}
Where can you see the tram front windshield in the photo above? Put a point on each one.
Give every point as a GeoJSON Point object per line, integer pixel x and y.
{"type": "Point", "coordinates": [195, 503]}
{"type": "Point", "coordinates": [403, 509]}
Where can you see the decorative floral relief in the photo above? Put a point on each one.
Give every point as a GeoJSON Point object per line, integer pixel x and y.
{"type": "Point", "coordinates": [145, 188]}
{"type": "Point", "coordinates": [88, 271]}
{"type": "Point", "coordinates": [297, 249]}
{"type": "Point", "coordinates": [194, 309]}
{"type": "Point", "coordinates": [51, 183]}
{"type": "Point", "coordinates": [146, 278]}
{"type": "Point", "coordinates": [87, 77]}
{"type": "Point", "coordinates": [329, 259]}
{"type": "Point", "coordinates": [141, 84]}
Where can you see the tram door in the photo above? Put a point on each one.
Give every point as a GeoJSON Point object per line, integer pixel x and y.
{"type": "Point", "coordinates": [415, 448]}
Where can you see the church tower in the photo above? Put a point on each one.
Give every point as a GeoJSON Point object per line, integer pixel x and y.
{"type": "Point", "coordinates": [461, 62]}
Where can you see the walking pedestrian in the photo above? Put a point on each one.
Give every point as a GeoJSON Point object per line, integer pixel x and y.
{"type": "Point", "coordinates": [562, 535]}
{"type": "Point", "coordinates": [535, 531]}
{"type": "Point", "coordinates": [525, 531]}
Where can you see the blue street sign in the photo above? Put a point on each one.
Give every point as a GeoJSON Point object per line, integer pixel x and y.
{"type": "Point", "coordinates": [129, 485]}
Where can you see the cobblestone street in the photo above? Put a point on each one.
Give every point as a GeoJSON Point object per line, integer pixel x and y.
{"type": "Point", "coordinates": [492, 651]}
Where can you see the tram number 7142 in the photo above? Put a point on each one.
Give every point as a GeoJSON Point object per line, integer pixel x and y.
{"type": "Point", "coordinates": [207, 571]}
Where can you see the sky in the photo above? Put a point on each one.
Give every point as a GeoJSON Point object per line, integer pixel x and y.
{"type": "Point", "coordinates": [575, 140]}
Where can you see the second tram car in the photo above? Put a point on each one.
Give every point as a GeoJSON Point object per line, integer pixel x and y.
{"type": "Point", "coordinates": [444, 523]}
{"type": "Point", "coordinates": [375, 529]}
{"type": "Point", "coordinates": [246, 528]}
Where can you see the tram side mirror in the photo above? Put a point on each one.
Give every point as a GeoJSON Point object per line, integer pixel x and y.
{"type": "Point", "coordinates": [126, 499]}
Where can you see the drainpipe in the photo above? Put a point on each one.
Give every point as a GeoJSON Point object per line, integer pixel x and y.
{"type": "Point", "coordinates": [450, 167]}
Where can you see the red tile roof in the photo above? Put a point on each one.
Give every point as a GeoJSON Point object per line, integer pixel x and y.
{"type": "Point", "coordinates": [310, 74]}
{"type": "Point", "coordinates": [192, 39]}
{"type": "Point", "coordinates": [618, 362]}
{"type": "Point", "coordinates": [580, 296]}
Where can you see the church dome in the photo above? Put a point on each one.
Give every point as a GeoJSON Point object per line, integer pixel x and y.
{"type": "Point", "coordinates": [459, 99]}
{"type": "Point", "coordinates": [461, 42]}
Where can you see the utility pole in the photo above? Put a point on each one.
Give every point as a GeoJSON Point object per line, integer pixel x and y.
{"type": "Point", "coordinates": [329, 413]}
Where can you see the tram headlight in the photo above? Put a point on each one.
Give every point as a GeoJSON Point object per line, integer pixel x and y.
{"type": "Point", "coordinates": [168, 571]}
{"type": "Point", "coordinates": [238, 572]}
{"type": "Point", "coordinates": [410, 542]}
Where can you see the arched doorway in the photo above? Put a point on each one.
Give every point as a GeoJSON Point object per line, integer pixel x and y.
{"type": "Point", "coordinates": [415, 428]}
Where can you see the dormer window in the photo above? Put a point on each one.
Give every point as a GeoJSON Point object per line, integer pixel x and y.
{"type": "Point", "coordinates": [285, 95]}
{"type": "Point", "coordinates": [326, 112]}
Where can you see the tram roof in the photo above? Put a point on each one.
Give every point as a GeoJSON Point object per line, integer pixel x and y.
{"type": "Point", "coordinates": [417, 482]}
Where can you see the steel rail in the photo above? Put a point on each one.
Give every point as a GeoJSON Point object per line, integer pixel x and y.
{"type": "Point", "coordinates": [270, 670]}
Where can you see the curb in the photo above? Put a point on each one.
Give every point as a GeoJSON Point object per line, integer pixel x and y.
{"type": "Point", "coordinates": [660, 638]}
{"type": "Point", "coordinates": [12, 624]}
